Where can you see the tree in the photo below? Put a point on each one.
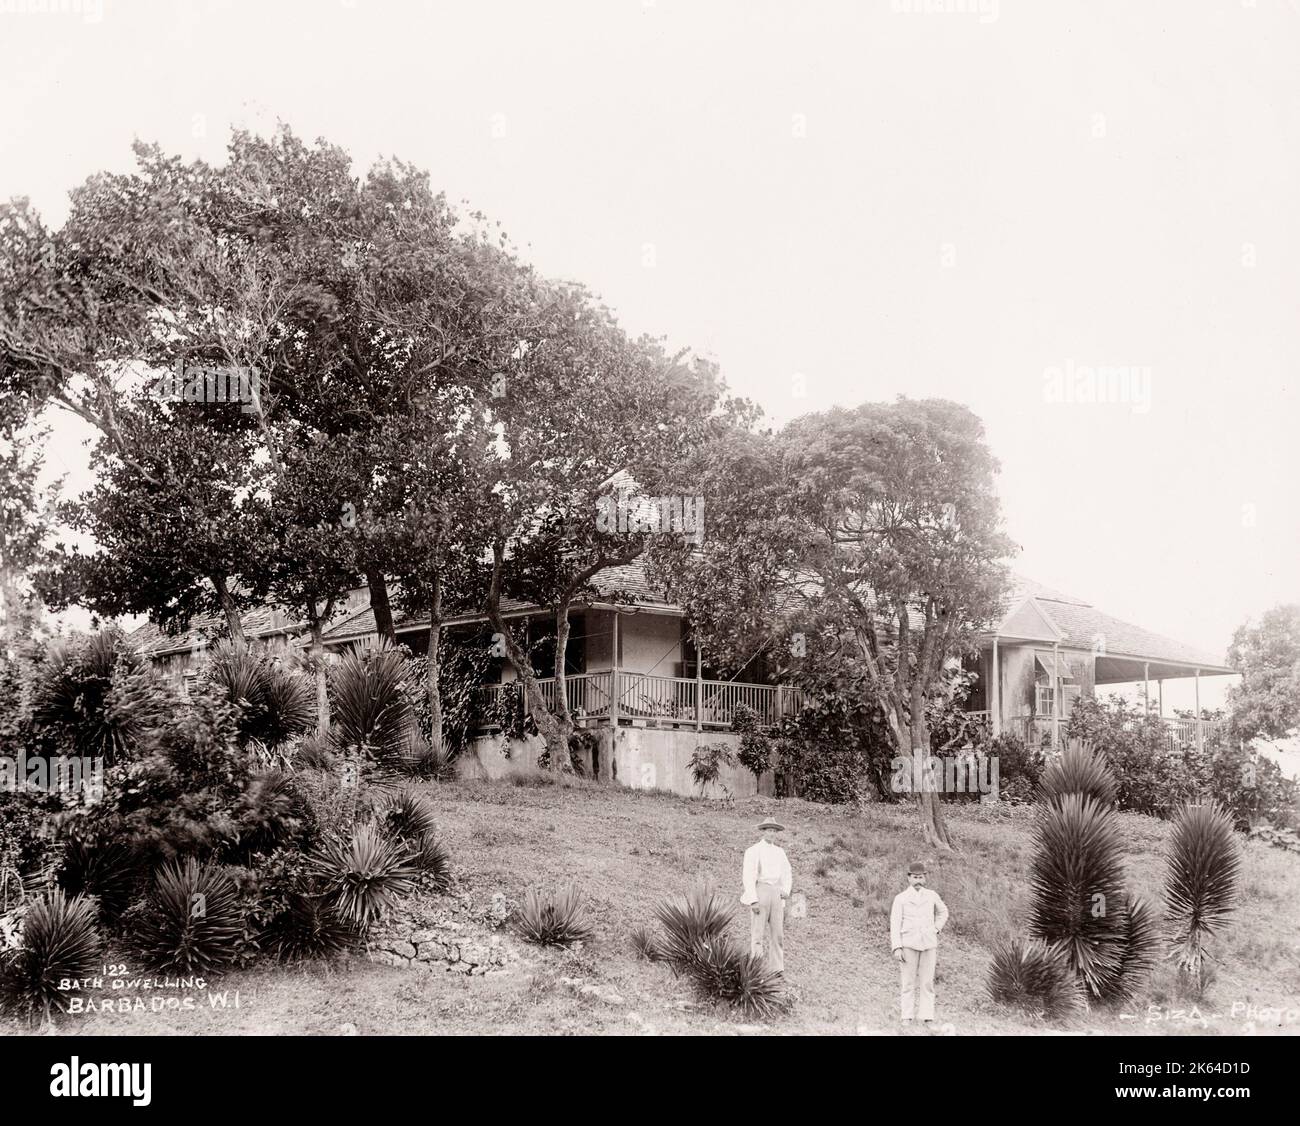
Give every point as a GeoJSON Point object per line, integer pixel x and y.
{"type": "Point", "coordinates": [25, 519]}
{"type": "Point", "coordinates": [1267, 653]}
{"type": "Point", "coordinates": [868, 538]}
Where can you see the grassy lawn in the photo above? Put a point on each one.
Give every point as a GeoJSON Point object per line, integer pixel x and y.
{"type": "Point", "coordinates": [630, 849]}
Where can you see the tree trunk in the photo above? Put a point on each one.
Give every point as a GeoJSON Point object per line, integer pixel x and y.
{"type": "Point", "coordinates": [234, 623]}
{"type": "Point", "coordinates": [380, 606]}
{"type": "Point", "coordinates": [318, 664]}
{"type": "Point", "coordinates": [562, 714]}
{"type": "Point", "coordinates": [434, 664]}
{"type": "Point", "coordinates": [933, 828]}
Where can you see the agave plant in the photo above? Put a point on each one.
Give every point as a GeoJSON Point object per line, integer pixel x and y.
{"type": "Point", "coordinates": [691, 925]}
{"type": "Point", "coordinates": [1078, 770]}
{"type": "Point", "coordinates": [111, 872]}
{"type": "Point", "coordinates": [371, 712]}
{"type": "Point", "coordinates": [363, 874]}
{"type": "Point", "coordinates": [433, 861]}
{"type": "Point", "coordinates": [307, 928]}
{"type": "Point", "coordinates": [273, 703]}
{"type": "Point", "coordinates": [554, 919]}
{"type": "Point", "coordinates": [1200, 886]}
{"type": "Point", "coordinates": [59, 945]}
{"type": "Point", "coordinates": [643, 942]}
{"type": "Point", "coordinates": [1077, 889]}
{"type": "Point", "coordinates": [191, 923]}
{"type": "Point", "coordinates": [1035, 977]}
{"type": "Point", "coordinates": [410, 816]}
{"type": "Point", "coordinates": [724, 974]}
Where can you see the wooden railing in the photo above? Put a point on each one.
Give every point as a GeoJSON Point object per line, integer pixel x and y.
{"type": "Point", "coordinates": [618, 696]}
{"type": "Point", "coordinates": [1032, 730]}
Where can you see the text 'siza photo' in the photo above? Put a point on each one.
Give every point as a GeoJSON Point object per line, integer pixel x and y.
{"type": "Point", "coordinates": [580, 521]}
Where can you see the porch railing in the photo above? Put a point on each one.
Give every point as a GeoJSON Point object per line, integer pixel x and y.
{"type": "Point", "coordinates": [1033, 730]}
{"type": "Point", "coordinates": [618, 696]}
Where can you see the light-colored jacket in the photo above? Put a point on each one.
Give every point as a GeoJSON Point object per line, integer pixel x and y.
{"type": "Point", "coordinates": [917, 918]}
{"type": "Point", "coordinates": [765, 863]}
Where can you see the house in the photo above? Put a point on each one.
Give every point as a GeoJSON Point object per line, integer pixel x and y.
{"type": "Point", "coordinates": [636, 674]}
{"type": "Point", "coordinates": [1051, 648]}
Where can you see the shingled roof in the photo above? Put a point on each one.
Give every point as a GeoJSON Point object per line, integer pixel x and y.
{"type": "Point", "coordinates": [1077, 623]}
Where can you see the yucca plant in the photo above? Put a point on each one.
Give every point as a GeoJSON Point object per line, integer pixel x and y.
{"type": "Point", "coordinates": [59, 944]}
{"type": "Point", "coordinates": [371, 712]}
{"type": "Point", "coordinates": [724, 974]}
{"type": "Point", "coordinates": [643, 942]}
{"type": "Point", "coordinates": [1139, 946]}
{"type": "Point", "coordinates": [555, 918]}
{"type": "Point", "coordinates": [110, 872]}
{"type": "Point", "coordinates": [1035, 977]}
{"type": "Point", "coordinates": [363, 874]}
{"type": "Point", "coordinates": [1201, 878]}
{"type": "Point", "coordinates": [273, 811]}
{"type": "Point", "coordinates": [410, 816]}
{"type": "Point", "coordinates": [1078, 770]}
{"type": "Point", "coordinates": [431, 858]}
{"type": "Point", "coordinates": [1077, 890]}
{"type": "Point", "coordinates": [191, 921]}
{"type": "Point", "coordinates": [273, 703]}
{"type": "Point", "coordinates": [691, 924]}
{"type": "Point", "coordinates": [307, 928]}
{"type": "Point", "coordinates": [421, 760]}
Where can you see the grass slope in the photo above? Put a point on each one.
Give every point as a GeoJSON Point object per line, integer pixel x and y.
{"type": "Point", "coordinates": [631, 849]}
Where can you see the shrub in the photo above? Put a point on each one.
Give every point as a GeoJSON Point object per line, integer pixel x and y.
{"type": "Point", "coordinates": [315, 752]}
{"type": "Point", "coordinates": [111, 873]}
{"type": "Point", "coordinates": [837, 750]}
{"type": "Point", "coordinates": [1020, 767]}
{"type": "Point", "coordinates": [433, 862]}
{"type": "Point", "coordinates": [59, 944]}
{"type": "Point", "coordinates": [1078, 770]}
{"type": "Point", "coordinates": [1139, 944]}
{"type": "Point", "coordinates": [426, 762]}
{"type": "Point", "coordinates": [554, 919]}
{"type": "Point", "coordinates": [1076, 883]}
{"type": "Point", "coordinates": [410, 816]}
{"type": "Point", "coordinates": [271, 812]}
{"type": "Point", "coordinates": [192, 922]}
{"type": "Point", "coordinates": [1034, 977]}
{"type": "Point", "coordinates": [307, 927]}
{"type": "Point", "coordinates": [755, 752]}
{"type": "Point", "coordinates": [724, 974]}
{"type": "Point", "coordinates": [27, 846]}
{"type": "Point", "coordinates": [373, 719]}
{"type": "Point", "coordinates": [363, 874]}
{"type": "Point", "coordinates": [1201, 880]}
{"type": "Point", "coordinates": [643, 943]}
{"type": "Point", "coordinates": [706, 764]}
{"type": "Point", "coordinates": [690, 924]}
{"type": "Point", "coordinates": [273, 703]}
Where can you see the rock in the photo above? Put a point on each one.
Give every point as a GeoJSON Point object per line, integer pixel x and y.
{"type": "Point", "coordinates": [404, 949]}
{"type": "Point", "coordinates": [348, 1029]}
{"type": "Point", "coordinates": [424, 935]}
{"type": "Point", "coordinates": [474, 953]}
{"type": "Point", "coordinates": [460, 967]}
{"type": "Point", "coordinates": [499, 908]}
{"type": "Point", "coordinates": [432, 952]}
{"type": "Point", "coordinates": [453, 953]}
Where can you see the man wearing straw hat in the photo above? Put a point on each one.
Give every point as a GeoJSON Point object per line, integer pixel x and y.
{"type": "Point", "coordinates": [768, 880]}
{"type": "Point", "coordinates": [917, 917]}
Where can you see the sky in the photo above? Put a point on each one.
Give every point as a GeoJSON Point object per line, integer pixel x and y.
{"type": "Point", "coordinates": [984, 200]}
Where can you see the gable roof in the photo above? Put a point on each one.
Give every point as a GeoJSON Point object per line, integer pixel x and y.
{"type": "Point", "coordinates": [1080, 625]}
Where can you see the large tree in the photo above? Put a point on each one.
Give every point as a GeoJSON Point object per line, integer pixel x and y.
{"type": "Point", "coordinates": [874, 532]}
{"type": "Point", "coordinates": [1267, 653]}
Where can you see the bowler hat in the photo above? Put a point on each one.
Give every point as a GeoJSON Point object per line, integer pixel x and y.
{"type": "Point", "coordinates": [916, 868]}
{"type": "Point", "coordinates": [770, 823]}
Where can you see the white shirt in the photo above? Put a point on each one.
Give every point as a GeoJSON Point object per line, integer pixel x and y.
{"type": "Point", "coordinates": [916, 919]}
{"type": "Point", "coordinates": [765, 863]}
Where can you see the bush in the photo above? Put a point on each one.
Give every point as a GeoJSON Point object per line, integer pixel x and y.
{"type": "Point", "coordinates": [191, 922]}
{"type": "Point", "coordinates": [691, 924]}
{"type": "Point", "coordinates": [373, 719]}
{"type": "Point", "coordinates": [1149, 776]}
{"type": "Point", "coordinates": [27, 845]}
{"type": "Point", "coordinates": [1201, 880]}
{"type": "Point", "coordinates": [556, 918]}
{"type": "Point", "coordinates": [112, 874]}
{"type": "Point", "coordinates": [755, 752]}
{"type": "Point", "coordinates": [837, 750]}
{"type": "Point", "coordinates": [307, 927]}
{"type": "Point", "coordinates": [410, 818]}
{"type": "Point", "coordinates": [1139, 942]}
{"type": "Point", "coordinates": [1034, 977]}
{"type": "Point", "coordinates": [59, 943]}
{"type": "Point", "coordinates": [1020, 767]}
{"type": "Point", "coordinates": [643, 943]}
{"type": "Point", "coordinates": [363, 874]}
{"type": "Point", "coordinates": [706, 763]}
{"type": "Point", "coordinates": [272, 703]}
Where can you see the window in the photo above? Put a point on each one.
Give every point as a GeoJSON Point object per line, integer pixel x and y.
{"type": "Point", "coordinates": [1042, 699]}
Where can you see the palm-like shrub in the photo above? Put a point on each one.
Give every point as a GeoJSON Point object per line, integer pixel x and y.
{"type": "Point", "coordinates": [410, 816]}
{"type": "Point", "coordinates": [425, 761]}
{"type": "Point", "coordinates": [273, 703]}
{"type": "Point", "coordinates": [59, 943]}
{"type": "Point", "coordinates": [363, 874]}
{"type": "Point", "coordinates": [110, 871]}
{"type": "Point", "coordinates": [1034, 977]}
{"type": "Point", "coordinates": [272, 811]}
{"type": "Point", "coordinates": [191, 922]}
{"type": "Point", "coordinates": [433, 861]}
{"type": "Point", "coordinates": [96, 697]}
{"type": "Point", "coordinates": [556, 918]}
{"type": "Point", "coordinates": [723, 973]}
{"type": "Point", "coordinates": [691, 924]}
{"type": "Point", "coordinates": [1077, 887]}
{"type": "Point", "coordinates": [370, 709]}
{"type": "Point", "coordinates": [643, 942]}
{"type": "Point", "coordinates": [1200, 885]}
{"type": "Point", "coordinates": [1139, 946]}
{"type": "Point", "coordinates": [307, 928]}
{"type": "Point", "coordinates": [1078, 770]}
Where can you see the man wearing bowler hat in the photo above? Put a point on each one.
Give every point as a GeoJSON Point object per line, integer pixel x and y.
{"type": "Point", "coordinates": [917, 918]}
{"type": "Point", "coordinates": [768, 880]}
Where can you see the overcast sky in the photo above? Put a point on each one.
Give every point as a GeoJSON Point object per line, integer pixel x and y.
{"type": "Point", "coordinates": [838, 202]}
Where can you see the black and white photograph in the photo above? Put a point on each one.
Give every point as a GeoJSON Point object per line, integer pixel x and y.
{"type": "Point", "coordinates": [622, 519]}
